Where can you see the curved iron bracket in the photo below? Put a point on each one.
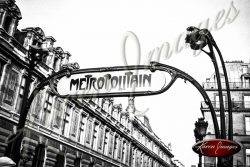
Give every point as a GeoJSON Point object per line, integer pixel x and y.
{"type": "Point", "coordinates": [44, 83]}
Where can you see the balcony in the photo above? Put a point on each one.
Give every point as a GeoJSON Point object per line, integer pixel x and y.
{"type": "Point", "coordinates": [232, 85]}
{"type": "Point", "coordinates": [235, 105]}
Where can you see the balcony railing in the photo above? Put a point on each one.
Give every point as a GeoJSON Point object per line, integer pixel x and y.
{"type": "Point", "coordinates": [214, 165]}
{"type": "Point", "coordinates": [232, 85]}
{"type": "Point", "coordinates": [235, 104]}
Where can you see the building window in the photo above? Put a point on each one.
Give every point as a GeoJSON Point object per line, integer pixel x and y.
{"type": "Point", "coordinates": [58, 108]}
{"type": "Point", "coordinates": [65, 124]}
{"type": "Point", "coordinates": [77, 162]}
{"type": "Point", "coordinates": [217, 101]}
{"type": "Point", "coordinates": [37, 104]}
{"type": "Point", "coordinates": [142, 139]}
{"type": "Point", "coordinates": [247, 101]}
{"type": "Point", "coordinates": [106, 140]}
{"type": "Point", "coordinates": [101, 137]}
{"type": "Point", "coordinates": [111, 141]}
{"type": "Point", "coordinates": [123, 120]}
{"type": "Point", "coordinates": [248, 157]}
{"type": "Point", "coordinates": [127, 153]}
{"type": "Point", "coordinates": [119, 149]}
{"type": "Point", "coordinates": [105, 104]}
{"type": "Point", "coordinates": [124, 145]}
{"type": "Point", "coordinates": [20, 96]}
{"type": "Point", "coordinates": [89, 130]}
{"type": "Point", "coordinates": [55, 63]}
{"type": "Point", "coordinates": [115, 113]}
{"type": "Point", "coordinates": [10, 87]}
{"type": "Point", "coordinates": [134, 132]}
{"type": "Point", "coordinates": [74, 123]}
{"type": "Point", "coordinates": [47, 109]}
{"type": "Point", "coordinates": [39, 157]}
{"type": "Point", "coordinates": [60, 160]}
{"type": "Point", "coordinates": [247, 124]}
{"type": "Point", "coordinates": [138, 135]}
{"type": "Point", "coordinates": [94, 137]}
{"type": "Point", "coordinates": [116, 146]}
{"type": "Point", "coordinates": [7, 23]}
{"type": "Point", "coordinates": [47, 59]}
{"type": "Point", "coordinates": [219, 122]}
{"type": "Point", "coordinates": [168, 159]}
{"type": "Point", "coordinates": [82, 128]}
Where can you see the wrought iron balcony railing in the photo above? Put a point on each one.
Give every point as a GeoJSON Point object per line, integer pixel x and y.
{"type": "Point", "coordinates": [232, 85]}
{"type": "Point", "coordinates": [214, 165]}
{"type": "Point", "coordinates": [235, 104]}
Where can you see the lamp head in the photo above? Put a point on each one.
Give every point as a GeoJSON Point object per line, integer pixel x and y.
{"type": "Point", "coordinates": [200, 129]}
{"type": "Point", "coordinates": [196, 38]}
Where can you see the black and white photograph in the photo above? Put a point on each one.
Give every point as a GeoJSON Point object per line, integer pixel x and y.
{"type": "Point", "coordinates": [124, 83]}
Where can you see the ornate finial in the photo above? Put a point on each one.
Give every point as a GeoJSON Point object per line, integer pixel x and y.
{"type": "Point", "coordinates": [131, 105]}
{"type": "Point", "coordinates": [170, 146]}
{"type": "Point", "coordinates": [118, 107]}
{"type": "Point", "coordinates": [111, 100]}
{"type": "Point", "coordinates": [73, 66]}
{"type": "Point", "coordinates": [130, 110]}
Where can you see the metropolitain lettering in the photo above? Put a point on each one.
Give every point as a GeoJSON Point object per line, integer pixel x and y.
{"type": "Point", "coordinates": [109, 82]}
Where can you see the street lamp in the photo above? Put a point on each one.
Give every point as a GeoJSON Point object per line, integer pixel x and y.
{"type": "Point", "coordinates": [35, 56]}
{"type": "Point", "coordinates": [199, 133]}
{"type": "Point", "coordinates": [200, 129]}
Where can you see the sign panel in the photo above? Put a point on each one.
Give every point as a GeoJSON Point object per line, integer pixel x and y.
{"type": "Point", "coordinates": [110, 82]}
{"type": "Point", "coordinates": [216, 147]}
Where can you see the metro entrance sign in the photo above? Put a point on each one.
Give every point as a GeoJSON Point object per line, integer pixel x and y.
{"type": "Point", "coordinates": [124, 81]}
{"type": "Point", "coordinates": [113, 81]}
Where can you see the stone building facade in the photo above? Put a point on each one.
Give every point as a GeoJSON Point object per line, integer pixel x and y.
{"type": "Point", "coordinates": [66, 132]}
{"type": "Point", "coordinates": [239, 81]}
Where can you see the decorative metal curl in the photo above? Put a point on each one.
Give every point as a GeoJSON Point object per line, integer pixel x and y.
{"type": "Point", "coordinates": [197, 38]}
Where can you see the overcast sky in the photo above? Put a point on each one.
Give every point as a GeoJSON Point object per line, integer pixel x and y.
{"type": "Point", "coordinates": [92, 31]}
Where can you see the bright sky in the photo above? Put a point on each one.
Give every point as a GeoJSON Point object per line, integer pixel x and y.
{"type": "Point", "coordinates": [92, 32]}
